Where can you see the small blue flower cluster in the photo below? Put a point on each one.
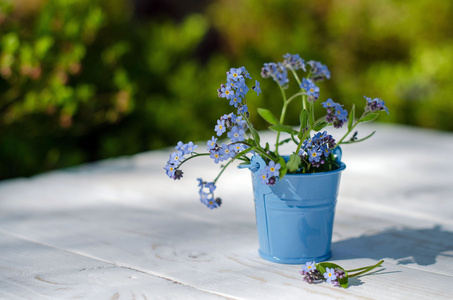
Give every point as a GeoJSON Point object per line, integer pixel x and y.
{"type": "Point", "coordinates": [336, 115]}
{"type": "Point", "coordinates": [317, 149]}
{"type": "Point", "coordinates": [237, 127]}
{"type": "Point", "coordinates": [270, 173]}
{"type": "Point", "coordinates": [206, 193]}
{"type": "Point", "coordinates": [331, 275]}
{"type": "Point", "coordinates": [294, 61]}
{"type": "Point", "coordinates": [177, 157]}
{"type": "Point", "coordinates": [310, 272]}
{"type": "Point", "coordinates": [277, 71]}
{"type": "Point", "coordinates": [318, 71]}
{"type": "Point", "coordinates": [235, 88]}
{"type": "Point", "coordinates": [375, 104]}
{"type": "Point", "coordinates": [311, 90]}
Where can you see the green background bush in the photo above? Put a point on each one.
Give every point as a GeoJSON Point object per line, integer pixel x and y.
{"type": "Point", "coordinates": [83, 80]}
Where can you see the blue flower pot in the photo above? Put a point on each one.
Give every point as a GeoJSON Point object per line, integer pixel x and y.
{"type": "Point", "coordinates": [295, 216]}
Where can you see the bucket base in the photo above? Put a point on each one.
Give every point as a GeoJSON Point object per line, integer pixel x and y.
{"type": "Point", "coordinates": [295, 261]}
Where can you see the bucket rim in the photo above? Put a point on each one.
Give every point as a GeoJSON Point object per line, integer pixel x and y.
{"type": "Point", "coordinates": [327, 173]}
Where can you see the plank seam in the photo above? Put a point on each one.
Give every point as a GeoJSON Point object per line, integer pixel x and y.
{"type": "Point", "coordinates": [173, 280]}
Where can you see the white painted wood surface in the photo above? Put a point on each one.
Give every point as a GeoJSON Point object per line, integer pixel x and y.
{"type": "Point", "coordinates": [120, 229]}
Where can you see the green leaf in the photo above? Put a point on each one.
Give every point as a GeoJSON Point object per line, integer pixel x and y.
{"type": "Point", "coordinates": [351, 117]}
{"type": "Point", "coordinates": [319, 126]}
{"type": "Point", "coordinates": [344, 281]}
{"type": "Point", "coordinates": [256, 136]}
{"type": "Point", "coordinates": [369, 117]}
{"type": "Point", "coordinates": [293, 162]}
{"type": "Point", "coordinates": [284, 141]}
{"type": "Point", "coordinates": [303, 121]}
{"type": "Point", "coordinates": [311, 117]}
{"type": "Point", "coordinates": [283, 168]}
{"type": "Point", "coordinates": [268, 116]}
{"type": "Point", "coordinates": [321, 267]}
{"type": "Point", "coordinates": [284, 128]}
{"type": "Point", "coordinates": [294, 139]}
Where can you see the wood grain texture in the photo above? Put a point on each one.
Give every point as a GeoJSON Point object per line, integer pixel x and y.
{"type": "Point", "coordinates": [120, 229]}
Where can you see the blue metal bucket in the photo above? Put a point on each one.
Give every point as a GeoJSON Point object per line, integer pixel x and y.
{"type": "Point", "coordinates": [295, 217]}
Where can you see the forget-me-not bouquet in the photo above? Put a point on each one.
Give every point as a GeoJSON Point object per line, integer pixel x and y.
{"type": "Point", "coordinates": [314, 149]}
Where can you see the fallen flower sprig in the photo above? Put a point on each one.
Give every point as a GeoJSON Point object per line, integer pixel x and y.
{"type": "Point", "coordinates": [332, 273]}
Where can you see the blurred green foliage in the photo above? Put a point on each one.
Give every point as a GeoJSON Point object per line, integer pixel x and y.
{"type": "Point", "coordinates": [82, 80]}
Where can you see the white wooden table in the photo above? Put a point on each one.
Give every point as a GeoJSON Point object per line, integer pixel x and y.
{"type": "Point", "coordinates": [120, 229]}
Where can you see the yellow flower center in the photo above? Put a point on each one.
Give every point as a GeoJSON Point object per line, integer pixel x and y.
{"type": "Point", "coordinates": [314, 155]}
{"type": "Point", "coordinates": [272, 169]}
{"type": "Point", "coordinates": [311, 90]}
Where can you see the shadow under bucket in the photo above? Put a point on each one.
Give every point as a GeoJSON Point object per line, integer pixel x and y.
{"type": "Point", "coordinates": [295, 216]}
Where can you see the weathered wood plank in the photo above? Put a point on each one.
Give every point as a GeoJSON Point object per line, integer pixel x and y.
{"type": "Point", "coordinates": [125, 213]}
{"type": "Point", "coordinates": [31, 270]}
{"type": "Point", "coordinates": [204, 254]}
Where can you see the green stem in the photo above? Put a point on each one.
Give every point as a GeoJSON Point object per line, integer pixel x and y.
{"type": "Point", "coordinates": [350, 130]}
{"type": "Point", "coordinates": [193, 156]}
{"type": "Point", "coordinates": [366, 269]}
{"type": "Point", "coordinates": [260, 150]}
{"type": "Point", "coordinates": [250, 126]}
{"type": "Point", "coordinates": [239, 156]}
{"type": "Point", "coordinates": [358, 269]}
{"type": "Point", "coordinates": [282, 117]}
{"type": "Point", "coordinates": [304, 101]}
{"type": "Point", "coordinates": [295, 75]}
{"type": "Point", "coordinates": [312, 111]}
{"type": "Point", "coordinates": [295, 96]}
{"type": "Point", "coordinates": [320, 120]}
{"type": "Point", "coordinates": [223, 169]}
{"type": "Point", "coordinates": [347, 133]}
{"type": "Point", "coordinates": [304, 136]}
